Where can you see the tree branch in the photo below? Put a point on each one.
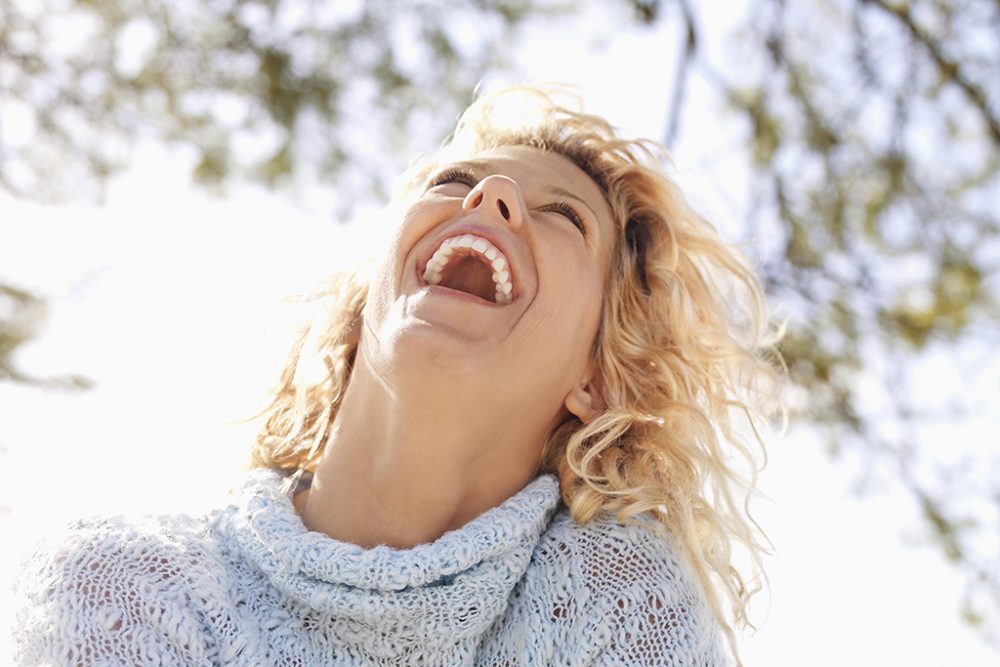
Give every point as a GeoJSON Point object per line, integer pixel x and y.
{"type": "Point", "coordinates": [947, 67]}
{"type": "Point", "coordinates": [681, 75]}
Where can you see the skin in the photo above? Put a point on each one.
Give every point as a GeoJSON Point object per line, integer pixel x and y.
{"type": "Point", "coordinates": [451, 400]}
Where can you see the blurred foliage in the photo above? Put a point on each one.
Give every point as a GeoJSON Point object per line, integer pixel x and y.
{"type": "Point", "coordinates": [276, 91]}
{"type": "Point", "coordinates": [874, 142]}
{"type": "Point", "coordinates": [289, 93]}
{"type": "Point", "coordinates": [21, 317]}
{"type": "Point", "coordinates": [872, 133]}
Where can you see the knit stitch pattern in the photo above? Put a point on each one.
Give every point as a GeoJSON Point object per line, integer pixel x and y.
{"type": "Point", "coordinates": [522, 584]}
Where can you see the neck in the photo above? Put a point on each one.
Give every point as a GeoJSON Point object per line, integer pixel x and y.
{"type": "Point", "coordinates": [401, 468]}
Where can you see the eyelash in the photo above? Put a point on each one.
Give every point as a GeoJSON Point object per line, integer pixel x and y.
{"type": "Point", "coordinates": [466, 178]}
{"type": "Point", "coordinates": [565, 209]}
{"type": "Point", "coordinates": [454, 176]}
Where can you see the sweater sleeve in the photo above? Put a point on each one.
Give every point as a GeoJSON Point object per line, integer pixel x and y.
{"type": "Point", "coordinates": [109, 593]}
{"type": "Point", "coordinates": [653, 613]}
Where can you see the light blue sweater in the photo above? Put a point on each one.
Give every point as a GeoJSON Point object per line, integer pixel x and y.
{"type": "Point", "coordinates": [522, 584]}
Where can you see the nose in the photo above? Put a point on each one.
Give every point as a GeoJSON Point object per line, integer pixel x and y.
{"type": "Point", "coordinates": [497, 195]}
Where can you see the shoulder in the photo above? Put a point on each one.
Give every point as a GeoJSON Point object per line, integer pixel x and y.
{"type": "Point", "coordinates": [117, 590]}
{"type": "Point", "coordinates": [609, 557]}
{"type": "Point", "coordinates": [637, 595]}
{"type": "Point", "coordinates": [165, 549]}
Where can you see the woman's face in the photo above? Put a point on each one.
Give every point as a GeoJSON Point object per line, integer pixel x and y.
{"type": "Point", "coordinates": [494, 281]}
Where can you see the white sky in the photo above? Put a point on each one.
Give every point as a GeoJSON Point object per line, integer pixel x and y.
{"type": "Point", "coordinates": [167, 299]}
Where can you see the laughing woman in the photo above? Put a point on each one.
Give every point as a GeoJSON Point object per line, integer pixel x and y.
{"type": "Point", "coordinates": [518, 449]}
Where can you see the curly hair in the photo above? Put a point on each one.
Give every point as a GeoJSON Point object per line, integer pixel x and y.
{"type": "Point", "coordinates": [684, 346]}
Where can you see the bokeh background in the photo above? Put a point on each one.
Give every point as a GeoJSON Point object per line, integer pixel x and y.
{"type": "Point", "coordinates": [170, 172]}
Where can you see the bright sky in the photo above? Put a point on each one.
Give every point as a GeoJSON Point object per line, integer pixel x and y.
{"type": "Point", "coordinates": [168, 300]}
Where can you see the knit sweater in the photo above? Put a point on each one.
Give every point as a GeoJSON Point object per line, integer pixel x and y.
{"type": "Point", "coordinates": [522, 584]}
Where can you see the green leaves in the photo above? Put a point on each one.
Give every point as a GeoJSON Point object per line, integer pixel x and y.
{"type": "Point", "coordinates": [262, 91]}
{"type": "Point", "coordinates": [872, 138]}
{"type": "Point", "coordinates": [954, 294]}
{"type": "Point", "coordinates": [22, 315]}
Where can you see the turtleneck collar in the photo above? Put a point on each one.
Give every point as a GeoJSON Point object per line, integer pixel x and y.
{"type": "Point", "coordinates": [439, 596]}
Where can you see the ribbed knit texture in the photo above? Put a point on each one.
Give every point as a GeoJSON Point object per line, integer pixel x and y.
{"type": "Point", "coordinates": [522, 584]}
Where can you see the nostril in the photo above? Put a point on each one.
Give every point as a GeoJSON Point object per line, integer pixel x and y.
{"type": "Point", "coordinates": [478, 200]}
{"type": "Point", "coordinates": [504, 211]}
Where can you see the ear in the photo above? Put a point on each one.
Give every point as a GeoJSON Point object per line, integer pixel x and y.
{"type": "Point", "coordinates": [584, 400]}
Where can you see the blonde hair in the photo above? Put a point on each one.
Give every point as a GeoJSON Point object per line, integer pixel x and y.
{"type": "Point", "coordinates": [684, 345]}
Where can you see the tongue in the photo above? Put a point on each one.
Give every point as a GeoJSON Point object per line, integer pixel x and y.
{"type": "Point", "coordinates": [470, 275]}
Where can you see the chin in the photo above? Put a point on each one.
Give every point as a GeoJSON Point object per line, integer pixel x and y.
{"type": "Point", "coordinates": [428, 352]}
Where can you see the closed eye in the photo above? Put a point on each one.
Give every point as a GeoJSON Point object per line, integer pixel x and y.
{"type": "Point", "coordinates": [454, 175]}
{"type": "Point", "coordinates": [568, 212]}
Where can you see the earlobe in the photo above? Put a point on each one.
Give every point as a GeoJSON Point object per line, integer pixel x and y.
{"type": "Point", "coordinates": [584, 402]}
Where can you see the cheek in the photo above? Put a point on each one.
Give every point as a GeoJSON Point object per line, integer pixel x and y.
{"type": "Point", "coordinates": [414, 224]}
{"type": "Point", "coordinates": [577, 303]}
{"type": "Point", "coordinates": [421, 217]}
{"type": "Point", "coordinates": [582, 283]}
{"type": "Point", "coordinates": [378, 299]}
{"type": "Point", "coordinates": [592, 307]}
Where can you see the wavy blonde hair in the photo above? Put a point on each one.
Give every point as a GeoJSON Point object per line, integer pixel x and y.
{"type": "Point", "coordinates": [684, 345]}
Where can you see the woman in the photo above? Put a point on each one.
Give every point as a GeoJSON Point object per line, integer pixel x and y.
{"type": "Point", "coordinates": [509, 446]}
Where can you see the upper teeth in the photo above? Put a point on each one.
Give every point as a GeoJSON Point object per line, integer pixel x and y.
{"type": "Point", "coordinates": [501, 273]}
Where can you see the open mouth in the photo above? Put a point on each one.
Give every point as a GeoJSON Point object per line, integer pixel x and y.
{"type": "Point", "coordinates": [473, 265]}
